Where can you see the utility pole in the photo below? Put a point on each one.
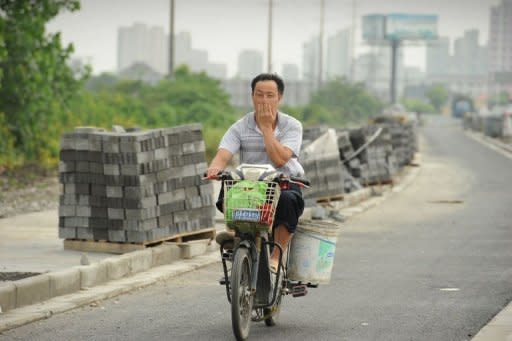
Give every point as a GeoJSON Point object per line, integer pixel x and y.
{"type": "Point", "coordinates": [172, 43]}
{"type": "Point", "coordinates": [395, 44]}
{"type": "Point", "coordinates": [353, 43]}
{"type": "Point", "coordinates": [269, 39]}
{"type": "Point", "coordinates": [321, 44]}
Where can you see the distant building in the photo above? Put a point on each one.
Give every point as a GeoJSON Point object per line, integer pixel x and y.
{"type": "Point", "coordinates": [142, 44]}
{"type": "Point", "coordinates": [469, 57]}
{"type": "Point", "coordinates": [310, 60]}
{"type": "Point", "coordinates": [438, 60]}
{"type": "Point", "coordinates": [500, 37]}
{"type": "Point", "coordinates": [338, 55]}
{"type": "Point", "coordinates": [290, 72]}
{"type": "Point", "coordinates": [250, 64]}
{"type": "Point", "coordinates": [374, 69]}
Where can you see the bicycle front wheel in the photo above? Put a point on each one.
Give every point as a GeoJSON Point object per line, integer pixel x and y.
{"type": "Point", "coordinates": [241, 297]}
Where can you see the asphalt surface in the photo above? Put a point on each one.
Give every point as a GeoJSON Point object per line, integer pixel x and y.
{"type": "Point", "coordinates": [432, 262]}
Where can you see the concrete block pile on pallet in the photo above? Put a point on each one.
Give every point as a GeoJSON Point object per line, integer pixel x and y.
{"type": "Point", "coordinates": [134, 187]}
{"type": "Point", "coordinates": [379, 159]}
{"type": "Point", "coordinates": [323, 167]}
{"type": "Point", "coordinates": [351, 163]}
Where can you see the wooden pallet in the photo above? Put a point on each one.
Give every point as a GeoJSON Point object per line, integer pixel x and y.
{"type": "Point", "coordinates": [329, 199]}
{"type": "Point", "coordinates": [119, 248]}
{"type": "Point", "coordinates": [379, 183]}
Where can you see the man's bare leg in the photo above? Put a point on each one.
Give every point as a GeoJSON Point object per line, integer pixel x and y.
{"type": "Point", "coordinates": [281, 237]}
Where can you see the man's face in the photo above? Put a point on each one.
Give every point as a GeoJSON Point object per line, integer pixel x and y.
{"type": "Point", "coordinates": [265, 92]}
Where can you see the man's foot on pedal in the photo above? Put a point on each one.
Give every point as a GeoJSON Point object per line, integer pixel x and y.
{"type": "Point", "coordinates": [274, 263]}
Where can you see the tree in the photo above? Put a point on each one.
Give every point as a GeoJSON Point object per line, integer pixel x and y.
{"type": "Point", "coordinates": [437, 95]}
{"type": "Point", "coordinates": [339, 102]}
{"type": "Point", "coordinates": [36, 81]}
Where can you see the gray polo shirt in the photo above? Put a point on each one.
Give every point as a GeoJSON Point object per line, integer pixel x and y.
{"type": "Point", "coordinates": [245, 136]}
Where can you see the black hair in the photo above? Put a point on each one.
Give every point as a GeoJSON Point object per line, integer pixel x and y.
{"type": "Point", "coordinates": [269, 77]}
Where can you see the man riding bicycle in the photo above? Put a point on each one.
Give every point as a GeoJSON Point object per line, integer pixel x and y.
{"type": "Point", "coordinates": [267, 136]}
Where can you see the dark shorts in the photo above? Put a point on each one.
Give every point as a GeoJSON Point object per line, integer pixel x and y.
{"type": "Point", "coordinates": [289, 207]}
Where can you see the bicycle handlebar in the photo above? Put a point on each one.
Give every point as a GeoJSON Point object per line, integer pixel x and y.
{"type": "Point", "coordinates": [302, 182]}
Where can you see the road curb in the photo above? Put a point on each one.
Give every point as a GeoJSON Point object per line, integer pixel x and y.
{"type": "Point", "coordinates": [20, 316]}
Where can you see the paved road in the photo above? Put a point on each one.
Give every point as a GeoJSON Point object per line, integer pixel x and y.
{"type": "Point", "coordinates": [433, 262]}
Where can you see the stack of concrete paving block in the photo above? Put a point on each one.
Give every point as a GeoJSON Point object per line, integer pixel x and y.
{"type": "Point", "coordinates": [310, 134]}
{"type": "Point", "coordinates": [323, 167]}
{"type": "Point", "coordinates": [351, 164]}
{"type": "Point", "coordinates": [134, 187]}
{"type": "Point", "coordinates": [378, 157]}
{"type": "Point", "coordinates": [403, 137]}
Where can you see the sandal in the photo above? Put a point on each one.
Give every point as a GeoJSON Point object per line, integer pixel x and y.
{"type": "Point", "coordinates": [273, 264]}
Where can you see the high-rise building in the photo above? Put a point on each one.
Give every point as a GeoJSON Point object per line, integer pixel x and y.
{"type": "Point", "coordinates": [142, 44]}
{"type": "Point", "coordinates": [374, 69]}
{"type": "Point", "coordinates": [500, 37]}
{"type": "Point", "coordinates": [250, 64]}
{"type": "Point", "coordinates": [310, 60]}
{"type": "Point", "coordinates": [469, 57]}
{"type": "Point", "coordinates": [338, 55]}
{"type": "Point", "coordinates": [290, 72]}
{"type": "Point", "coordinates": [438, 59]}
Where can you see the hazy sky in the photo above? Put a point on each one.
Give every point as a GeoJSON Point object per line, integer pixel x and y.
{"type": "Point", "coordinates": [224, 27]}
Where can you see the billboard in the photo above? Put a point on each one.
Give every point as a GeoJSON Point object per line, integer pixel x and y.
{"type": "Point", "coordinates": [378, 27]}
{"type": "Point", "coordinates": [411, 26]}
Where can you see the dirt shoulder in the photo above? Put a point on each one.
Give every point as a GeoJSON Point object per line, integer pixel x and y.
{"type": "Point", "coordinates": [27, 192]}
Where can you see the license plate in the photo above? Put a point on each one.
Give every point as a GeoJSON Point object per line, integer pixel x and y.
{"type": "Point", "coordinates": [246, 215]}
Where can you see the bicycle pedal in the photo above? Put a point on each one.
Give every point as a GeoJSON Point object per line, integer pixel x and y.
{"type": "Point", "coordinates": [223, 281]}
{"type": "Point", "coordinates": [299, 290]}
{"type": "Point", "coordinates": [227, 255]}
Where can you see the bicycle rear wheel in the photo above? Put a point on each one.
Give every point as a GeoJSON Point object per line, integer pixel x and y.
{"type": "Point", "coordinates": [241, 297]}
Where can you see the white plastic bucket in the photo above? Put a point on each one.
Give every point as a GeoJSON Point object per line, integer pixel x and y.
{"type": "Point", "coordinates": [312, 251]}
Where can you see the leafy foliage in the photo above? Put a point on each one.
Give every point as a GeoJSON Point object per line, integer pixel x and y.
{"type": "Point", "coordinates": [417, 105]}
{"type": "Point", "coordinates": [437, 95]}
{"type": "Point", "coordinates": [36, 82]}
{"type": "Point", "coordinates": [339, 103]}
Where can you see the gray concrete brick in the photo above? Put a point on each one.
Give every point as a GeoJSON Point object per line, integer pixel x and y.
{"type": "Point", "coordinates": [115, 213]}
{"type": "Point", "coordinates": [64, 282]}
{"type": "Point", "coordinates": [175, 195]}
{"type": "Point", "coordinates": [139, 225]}
{"type": "Point", "coordinates": [83, 211]}
{"type": "Point", "coordinates": [165, 220]}
{"type": "Point", "coordinates": [67, 141]}
{"type": "Point", "coordinates": [67, 210]}
{"type": "Point", "coordinates": [111, 169]}
{"type": "Point", "coordinates": [117, 235]}
{"type": "Point", "coordinates": [32, 290]}
{"type": "Point", "coordinates": [8, 293]}
{"type": "Point", "coordinates": [142, 213]}
{"type": "Point", "coordinates": [161, 153]}
{"type": "Point", "coordinates": [67, 232]}
{"type": "Point", "coordinates": [84, 233]}
{"type": "Point", "coordinates": [191, 191]}
{"type": "Point", "coordinates": [114, 191]}
{"type": "Point", "coordinates": [136, 236]}
{"type": "Point", "coordinates": [100, 234]}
